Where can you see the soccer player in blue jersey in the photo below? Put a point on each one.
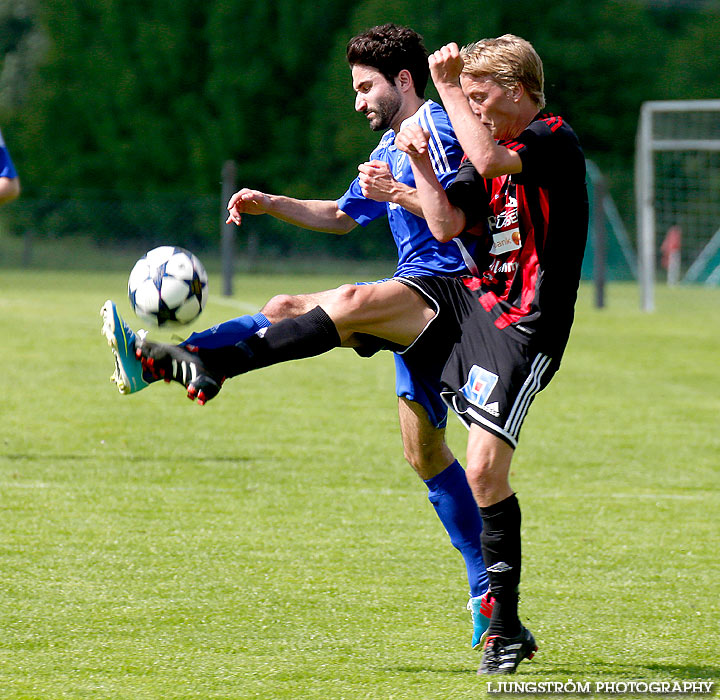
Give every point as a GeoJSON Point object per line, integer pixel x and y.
{"type": "Point", "coordinates": [503, 330]}
{"type": "Point", "coordinates": [9, 180]}
{"type": "Point", "coordinates": [390, 71]}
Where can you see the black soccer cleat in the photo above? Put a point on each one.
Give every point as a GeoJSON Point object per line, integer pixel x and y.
{"type": "Point", "coordinates": [180, 364]}
{"type": "Point", "coordinates": [503, 655]}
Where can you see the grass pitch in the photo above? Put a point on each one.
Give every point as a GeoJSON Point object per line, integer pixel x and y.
{"type": "Point", "coordinates": [274, 544]}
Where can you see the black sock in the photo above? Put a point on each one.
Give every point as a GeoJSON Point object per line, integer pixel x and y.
{"type": "Point", "coordinates": [308, 335]}
{"type": "Point", "coordinates": [502, 554]}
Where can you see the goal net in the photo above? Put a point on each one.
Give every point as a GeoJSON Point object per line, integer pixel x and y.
{"type": "Point", "coordinates": [677, 185]}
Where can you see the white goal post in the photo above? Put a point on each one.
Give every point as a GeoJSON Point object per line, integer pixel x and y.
{"type": "Point", "coordinates": [677, 188]}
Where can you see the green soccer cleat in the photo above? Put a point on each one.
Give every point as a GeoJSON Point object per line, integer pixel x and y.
{"type": "Point", "coordinates": [128, 374]}
{"type": "Point", "coordinates": [503, 655]}
{"type": "Point", "coordinates": [480, 608]}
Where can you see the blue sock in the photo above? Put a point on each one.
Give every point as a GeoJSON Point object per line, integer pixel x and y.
{"type": "Point", "coordinates": [229, 332]}
{"type": "Point", "coordinates": [455, 505]}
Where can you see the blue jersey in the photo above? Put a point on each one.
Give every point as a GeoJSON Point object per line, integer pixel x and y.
{"type": "Point", "coordinates": [419, 253]}
{"type": "Point", "coordinates": [7, 169]}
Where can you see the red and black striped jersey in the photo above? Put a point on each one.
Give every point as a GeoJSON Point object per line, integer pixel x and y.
{"type": "Point", "coordinates": [535, 228]}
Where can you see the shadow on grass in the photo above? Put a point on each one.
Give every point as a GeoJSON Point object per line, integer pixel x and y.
{"type": "Point", "coordinates": [582, 671]}
{"type": "Point", "coordinates": [437, 670]}
{"type": "Point", "coordinates": [619, 671]}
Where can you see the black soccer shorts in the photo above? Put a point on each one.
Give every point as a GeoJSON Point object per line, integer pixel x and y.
{"type": "Point", "coordinates": [491, 376]}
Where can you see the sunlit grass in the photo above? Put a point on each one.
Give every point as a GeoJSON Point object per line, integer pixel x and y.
{"type": "Point", "coordinates": [274, 544]}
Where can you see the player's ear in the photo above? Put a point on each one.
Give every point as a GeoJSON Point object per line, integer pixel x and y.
{"type": "Point", "coordinates": [517, 91]}
{"type": "Point", "coordinates": [404, 80]}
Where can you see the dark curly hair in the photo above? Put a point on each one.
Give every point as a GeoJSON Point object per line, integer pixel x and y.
{"type": "Point", "coordinates": [390, 48]}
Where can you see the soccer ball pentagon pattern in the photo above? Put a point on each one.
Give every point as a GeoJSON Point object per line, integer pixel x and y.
{"type": "Point", "coordinates": [168, 285]}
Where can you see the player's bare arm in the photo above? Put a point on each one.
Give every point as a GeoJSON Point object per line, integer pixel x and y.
{"type": "Point", "coordinates": [444, 220]}
{"type": "Point", "coordinates": [379, 184]}
{"type": "Point", "coordinates": [9, 189]}
{"type": "Point", "coordinates": [315, 214]}
{"type": "Point", "coordinates": [465, 98]}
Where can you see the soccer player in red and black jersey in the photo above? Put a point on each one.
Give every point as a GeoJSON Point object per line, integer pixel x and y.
{"type": "Point", "coordinates": [524, 183]}
{"type": "Point", "coordinates": [504, 328]}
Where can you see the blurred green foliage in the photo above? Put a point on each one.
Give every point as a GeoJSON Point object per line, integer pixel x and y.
{"type": "Point", "coordinates": [152, 96]}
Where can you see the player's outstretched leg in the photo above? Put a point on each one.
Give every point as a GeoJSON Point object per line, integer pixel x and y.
{"type": "Point", "coordinates": [182, 364]}
{"type": "Point", "coordinates": [503, 655]}
{"type": "Point", "coordinates": [228, 332]}
{"type": "Point", "coordinates": [203, 370]}
{"type": "Point", "coordinates": [128, 374]}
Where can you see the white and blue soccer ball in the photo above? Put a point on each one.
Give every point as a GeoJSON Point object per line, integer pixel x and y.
{"type": "Point", "coordinates": [168, 285]}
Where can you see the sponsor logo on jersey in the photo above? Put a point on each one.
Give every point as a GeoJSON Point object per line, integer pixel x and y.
{"type": "Point", "coordinates": [506, 218]}
{"type": "Point", "coordinates": [479, 385]}
{"type": "Point", "coordinates": [500, 266]}
{"type": "Point", "coordinates": [506, 241]}
{"type": "Point", "coordinates": [505, 228]}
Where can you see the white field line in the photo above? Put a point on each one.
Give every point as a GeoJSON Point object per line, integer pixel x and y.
{"type": "Point", "coordinates": [235, 304]}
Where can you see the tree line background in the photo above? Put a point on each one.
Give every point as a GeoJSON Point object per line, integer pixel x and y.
{"type": "Point", "coordinates": [134, 105]}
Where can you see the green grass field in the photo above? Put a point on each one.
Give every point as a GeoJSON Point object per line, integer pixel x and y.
{"type": "Point", "coordinates": [274, 544]}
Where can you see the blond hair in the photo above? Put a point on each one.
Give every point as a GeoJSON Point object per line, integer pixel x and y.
{"type": "Point", "coordinates": [509, 60]}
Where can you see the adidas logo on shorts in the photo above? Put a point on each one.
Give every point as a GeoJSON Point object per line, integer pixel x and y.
{"type": "Point", "coordinates": [492, 408]}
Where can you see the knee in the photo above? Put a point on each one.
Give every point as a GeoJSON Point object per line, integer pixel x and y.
{"type": "Point", "coordinates": [345, 305]}
{"type": "Point", "coordinates": [416, 456]}
{"type": "Point", "coordinates": [348, 297]}
{"type": "Point", "coordinates": [486, 482]}
{"type": "Point", "coordinates": [280, 307]}
{"type": "Point", "coordinates": [478, 473]}
{"type": "Point", "coordinates": [428, 460]}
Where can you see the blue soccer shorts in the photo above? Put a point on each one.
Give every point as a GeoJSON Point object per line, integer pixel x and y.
{"type": "Point", "coordinates": [415, 380]}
